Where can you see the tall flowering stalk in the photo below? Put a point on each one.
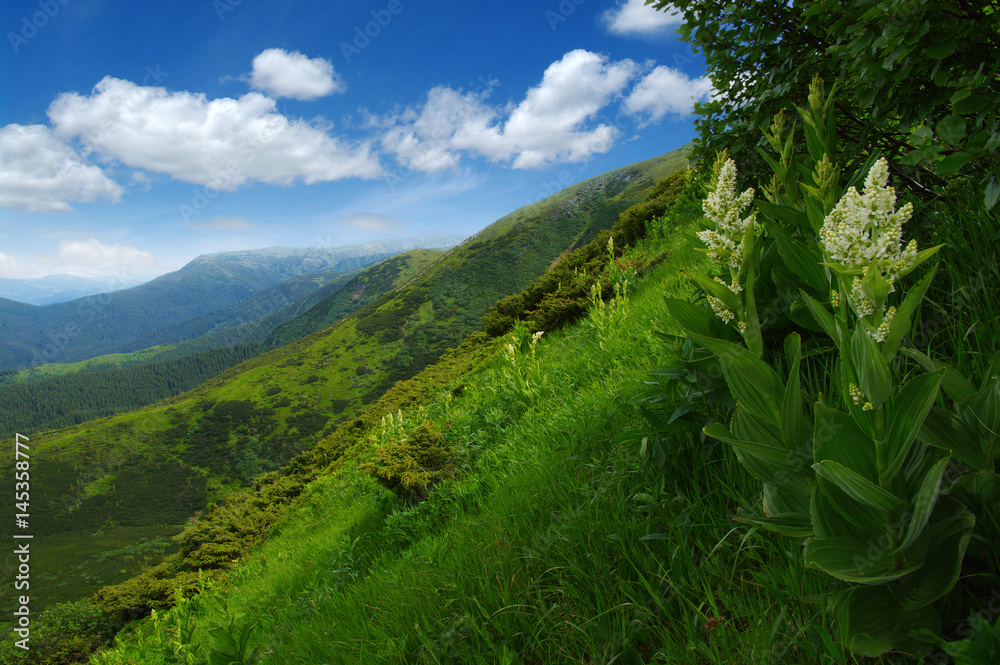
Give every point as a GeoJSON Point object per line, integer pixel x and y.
{"type": "Point", "coordinates": [855, 483]}
{"type": "Point", "coordinates": [728, 241]}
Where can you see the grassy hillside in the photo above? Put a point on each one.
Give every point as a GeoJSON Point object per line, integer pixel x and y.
{"type": "Point", "coordinates": [527, 503]}
{"type": "Point", "coordinates": [544, 539]}
{"type": "Point", "coordinates": [63, 394]}
{"type": "Point", "coordinates": [361, 290]}
{"type": "Point", "coordinates": [259, 415]}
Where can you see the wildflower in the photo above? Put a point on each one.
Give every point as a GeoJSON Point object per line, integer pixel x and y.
{"type": "Point", "coordinates": [835, 298]}
{"type": "Point", "coordinates": [537, 336]}
{"type": "Point", "coordinates": [859, 300]}
{"type": "Point", "coordinates": [725, 243]}
{"type": "Point", "coordinates": [857, 395]}
{"type": "Point", "coordinates": [865, 229]}
{"type": "Point", "coordinates": [882, 332]}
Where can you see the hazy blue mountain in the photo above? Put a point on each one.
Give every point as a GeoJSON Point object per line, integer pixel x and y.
{"type": "Point", "coordinates": [111, 322]}
{"type": "Point", "coordinates": [52, 289]}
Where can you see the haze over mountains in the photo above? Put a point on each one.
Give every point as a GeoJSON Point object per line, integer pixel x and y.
{"type": "Point", "coordinates": [52, 289]}
{"type": "Point", "coordinates": [202, 293]}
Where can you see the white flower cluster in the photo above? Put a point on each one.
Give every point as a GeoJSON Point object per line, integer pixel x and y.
{"type": "Point", "coordinates": [725, 243]}
{"type": "Point", "coordinates": [866, 228]}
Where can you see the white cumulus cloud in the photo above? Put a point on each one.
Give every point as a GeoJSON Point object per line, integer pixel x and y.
{"type": "Point", "coordinates": [12, 267]}
{"type": "Point", "coordinates": [553, 123]}
{"type": "Point", "coordinates": [40, 173]}
{"type": "Point", "coordinates": [666, 90]}
{"type": "Point", "coordinates": [635, 17]}
{"type": "Point", "coordinates": [223, 143]}
{"type": "Point", "coordinates": [283, 74]}
{"type": "Point", "coordinates": [72, 256]}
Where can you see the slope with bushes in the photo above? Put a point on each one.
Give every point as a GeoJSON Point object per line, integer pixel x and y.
{"type": "Point", "coordinates": [260, 415]}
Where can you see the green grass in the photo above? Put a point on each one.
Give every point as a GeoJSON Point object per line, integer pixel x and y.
{"type": "Point", "coordinates": [554, 544]}
{"type": "Point", "coordinates": [334, 373]}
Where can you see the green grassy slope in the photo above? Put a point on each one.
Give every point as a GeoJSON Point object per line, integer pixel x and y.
{"type": "Point", "coordinates": [545, 541]}
{"type": "Point", "coordinates": [257, 416]}
{"type": "Point", "coordinates": [361, 290]}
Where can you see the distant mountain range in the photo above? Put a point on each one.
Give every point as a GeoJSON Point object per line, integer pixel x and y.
{"type": "Point", "coordinates": [196, 300]}
{"type": "Point", "coordinates": [52, 289]}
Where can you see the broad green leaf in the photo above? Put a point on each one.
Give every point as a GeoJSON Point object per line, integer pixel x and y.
{"type": "Point", "coordinates": [942, 49]}
{"type": "Point", "coordinates": [918, 155]}
{"type": "Point", "coordinates": [950, 530]}
{"type": "Point", "coordinates": [956, 386]}
{"type": "Point", "coordinates": [951, 129]}
{"type": "Point", "coordinates": [693, 318]}
{"type": "Point", "coordinates": [750, 428]}
{"type": "Point", "coordinates": [804, 259]}
{"type": "Point", "coordinates": [718, 290]}
{"type": "Point", "coordinates": [873, 622]}
{"type": "Point", "coordinates": [855, 560]}
{"type": "Point", "coordinates": [873, 374]}
{"type": "Point", "coordinates": [876, 286]}
{"type": "Point", "coordinates": [790, 525]}
{"type": "Point", "coordinates": [943, 429]}
{"type": "Point", "coordinates": [828, 520]}
{"type": "Point", "coordinates": [794, 428]}
{"type": "Point", "coordinates": [992, 192]}
{"type": "Point", "coordinates": [767, 464]}
{"type": "Point", "coordinates": [900, 325]}
{"type": "Point", "coordinates": [824, 318]}
{"type": "Point", "coordinates": [837, 437]}
{"type": "Point", "coordinates": [778, 502]}
{"type": "Point", "coordinates": [923, 502]}
{"type": "Point", "coordinates": [861, 518]}
{"type": "Point", "coordinates": [974, 103]}
{"type": "Point", "coordinates": [982, 412]}
{"type": "Point", "coordinates": [953, 163]}
{"type": "Point", "coordinates": [857, 486]}
{"type": "Point", "coordinates": [910, 406]}
{"type": "Point", "coordinates": [789, 217]}
{"type": "Point", "coordinates": [753, 383]}
{"type": "Point", "coordinates": [751, 332]}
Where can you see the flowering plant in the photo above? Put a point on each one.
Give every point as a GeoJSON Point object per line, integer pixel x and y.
{"type": "Point", "coordinates": [855, 485]}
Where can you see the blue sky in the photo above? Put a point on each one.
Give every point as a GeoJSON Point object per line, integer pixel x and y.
{"type": "Point", "coordinates": [136, 136]}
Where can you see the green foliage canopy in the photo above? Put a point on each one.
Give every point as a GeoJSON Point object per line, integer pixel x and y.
{"type": "Point", "coordinates": [918, 81]}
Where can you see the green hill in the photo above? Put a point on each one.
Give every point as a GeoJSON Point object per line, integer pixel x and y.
{"type": "Point", "coordinates": [255, 417]}
{"type": "Point", "coordinates": [59, 395]}
{"type": "Point", "coordinates": [197, 298]}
